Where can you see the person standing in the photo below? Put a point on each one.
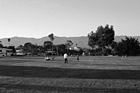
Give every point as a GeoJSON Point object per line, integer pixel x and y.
{"type": "Point", "coordinates": [77, 57]}
{"type": "Point", "coordinates": [66, 58]}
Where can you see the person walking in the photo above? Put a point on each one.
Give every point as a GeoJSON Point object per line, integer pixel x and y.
{"type": "Point", "coordinates": [66, 58]}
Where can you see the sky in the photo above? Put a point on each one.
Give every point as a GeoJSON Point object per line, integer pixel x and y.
{"type": "Point", "coordinates": [70, 18]}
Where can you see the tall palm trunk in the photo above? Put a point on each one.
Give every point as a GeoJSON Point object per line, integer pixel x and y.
{"type": "Point", "coordinates": [9, 41]}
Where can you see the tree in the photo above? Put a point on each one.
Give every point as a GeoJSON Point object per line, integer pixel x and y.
{"type": "Point", "coordinates": [51, 36]}
{"type": "Point", "coordinates": [47, 45]}
{"type": "Point", "coordinates": [104, 36]}
{"type": "Point", "coordinates": [92, 39]}
{"type": "Point", "coordinates": [61, 49]}
{"type": "Point", "coordinates": [28, 47]}
{"type": "Point", "coordinates": [1, 46]}
{"type": "Point", "coordinates": [35, 49]}
{"type": "Point", "coordinates": [9, 41]}
{"type": "Point", "coordinates": [20, 47]}
{"type": "Point", "coordinates": [69, 43]}
{"type": "Point", "coordinates": [40, 49]}
{"type": "Point", "coordinates": [129, 47]}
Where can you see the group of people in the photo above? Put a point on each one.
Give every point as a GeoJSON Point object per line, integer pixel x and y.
{"type": "Point", "coordinates": [65, 58]}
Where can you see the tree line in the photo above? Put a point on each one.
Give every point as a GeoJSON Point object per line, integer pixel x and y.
{"type": "Point", "coordinates": [48, 47]}
{"type": "Point", "coordinates": [102, 43]}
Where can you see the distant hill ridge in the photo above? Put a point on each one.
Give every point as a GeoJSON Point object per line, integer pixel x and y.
{"type": "Point", "coordinates": [82, 41]}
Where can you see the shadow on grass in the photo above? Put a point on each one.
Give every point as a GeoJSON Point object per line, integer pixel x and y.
{"type": "Point", "coordinates": [66, 89]}
{"type": "Point", "coordinates": [46, 72]}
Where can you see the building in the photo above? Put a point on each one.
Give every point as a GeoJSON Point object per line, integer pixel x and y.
{"type": "Point", "coordinates": [6, 52]}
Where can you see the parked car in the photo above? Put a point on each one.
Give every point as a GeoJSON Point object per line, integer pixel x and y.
{"type": "Point", "coordinates": [19, 52]}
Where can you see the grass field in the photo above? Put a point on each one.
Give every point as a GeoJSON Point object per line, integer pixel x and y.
{"type": "Point", "coordinates": [91, 74]}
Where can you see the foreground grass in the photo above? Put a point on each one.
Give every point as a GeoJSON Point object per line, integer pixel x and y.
{"type": "Point", "coordinates": [46, 85]}
{"type": "Point", "coordinates": [31, 79]}
{"type": "Point", "coordinates": [54, 72]}
{"type": "Point", "coordinates": [60, 77]}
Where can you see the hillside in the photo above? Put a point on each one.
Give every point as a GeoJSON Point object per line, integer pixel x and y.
{"type": "Point", "coordinates": [81, 41]}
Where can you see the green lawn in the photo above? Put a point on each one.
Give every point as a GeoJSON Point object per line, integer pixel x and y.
{"type": "Point", "coordinates": [88, 75]}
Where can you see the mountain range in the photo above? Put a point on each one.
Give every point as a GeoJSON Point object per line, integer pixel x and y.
{"type": "Point", "coordinates": [82, 41]}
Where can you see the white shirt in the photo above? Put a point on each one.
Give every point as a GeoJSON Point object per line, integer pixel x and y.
{"type": "Point", "coordinates": [65, 55]}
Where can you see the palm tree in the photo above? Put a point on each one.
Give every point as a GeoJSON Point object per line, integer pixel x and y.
{"type": "Point", "coordinates": [9, 41]}
{"type": "Point", "coordinates": [76, 45]}
{"type": "Point", "coordinates": [68, 43]}
{"type": "Point", "coordinates": [51, 36]}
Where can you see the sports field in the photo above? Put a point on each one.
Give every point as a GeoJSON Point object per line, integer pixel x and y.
{"type": "Point", "coordinates": [90, 74]}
